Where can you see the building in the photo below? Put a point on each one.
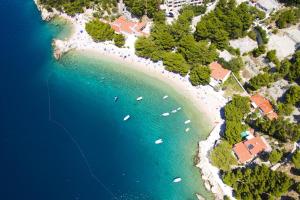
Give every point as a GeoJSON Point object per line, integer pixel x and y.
{"type": "Point", "coordinates": [124, 26]}
{"type": "Point", "coordinates": [218, 73]}
{"type": "Point", "coordinates": [176, 5]}
{"type": "Point", "coordinates": [264, 105]}
{"type": "Point", "coordinates": [248, 149]}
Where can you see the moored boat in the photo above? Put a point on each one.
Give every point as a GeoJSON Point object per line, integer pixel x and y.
{"type": "Point", "coordinates": [165, 114]}
{"type": "Point", "coordinates": [126, 117]}
{"type": "Point", "coordinates": [159, 141]}
{"type": "Point", "coordinates": [177, 180]}
{"type": "Point", "coordinates": [139, 98]}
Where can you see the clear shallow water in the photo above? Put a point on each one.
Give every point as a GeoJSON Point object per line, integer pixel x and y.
{"type": "Point", "coordinates": [62, 134]}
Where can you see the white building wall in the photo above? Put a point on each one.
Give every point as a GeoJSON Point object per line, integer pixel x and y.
{"type": "Point", "coordinates": [174, 5]}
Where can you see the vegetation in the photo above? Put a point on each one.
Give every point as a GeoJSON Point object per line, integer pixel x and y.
{"type": "Point", "coordinates": [71, 7]}
{"type": "Point", "coordinates": [263, 35]}
{"type": "Point", "coordinates": [99, 31]}
{"type": "Point", "coordinates": [175, 62]}
{"type": "Point", "coordinates": [292, 96]}
{"type": "Point", "coordinates": [235, 111]}
{"type": "Point", "coordinates": [197, 10]}
{"type": "Point", "coordinates": [257, 183]}
{"type": "Point", "coordinates": [260, 50]}
{"type": "Point", "coordinates": [296, 159]}
{"type": "Point", "coordinates": [280, 129]}
{"type": "Point", "coordinates": [143, 7]}
{"type": "Point", "coordinates": [259, 81]}
{"type": "Point", "coordinates": [227, 21]}
{"type": "Point", "coordinates": [288, 17]}
{"type": "Point", "coordinates": [176, 47]}
{"type": "Point", "coordinates": [275, 156]}
{"type": "Point", "coordinates": [235, 64]}
{"type": "Point", "coordinates": [119, 40]}
{"type": "Point", "coordinates": [200, 75]}
{"type": "Point", "coordinates": [271, 56]}
{"type": "Point", "coordinates": [222, 157]}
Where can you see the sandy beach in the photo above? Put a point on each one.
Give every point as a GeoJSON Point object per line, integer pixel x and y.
{"type": "Point", "coordinates": [204, 98]}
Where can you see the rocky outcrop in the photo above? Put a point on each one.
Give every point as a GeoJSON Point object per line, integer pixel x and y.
{"type": "Point", "coordinates": [46, 15]}
{"type": "Point", "coordinates": [210, 174]}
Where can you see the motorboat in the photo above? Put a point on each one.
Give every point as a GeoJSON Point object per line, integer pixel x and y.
{"type": "Point", "coordinates": [159, 141]}
{"type": "Point", "coordinates": [187, 122]}
{"type": "Point", "coordinates": [165, 114]}
{"type": "Point", "coordinates": [177, 180]}
{"type": "Point", "coordinates": [126, 117]}
{"type": "Point", "coordinates": [166, 96]}
{"type": "Point", "coordinates": [139, 98]}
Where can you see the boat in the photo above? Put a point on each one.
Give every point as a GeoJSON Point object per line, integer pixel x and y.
{"type": "Point", "coordinates": [187, 122]}
{"type": "Point", "coordinates": [139, 98]}
{"type": "Point", "coordinates": [179, 108]}
{"type": "Point", "coordinates": [174, 111]}
{"type": "Point", "coordinates": [159, 141]}
{"type": "Point", "coordinates": [116, 98]}
{"type": "Point", "coordinates": [165, 114]}
{"type": "Point", "coordinates": [187, 129]}
{"type": "Point", "coordinates": [177, 180]}
{"type": "Point", "coordinates": [126, 117]}
{"type": "Point", "coordinates": [166, 96]}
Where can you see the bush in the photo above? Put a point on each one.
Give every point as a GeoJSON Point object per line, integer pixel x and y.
{"type": "Point", "coordinates": [221, 156]}
{"type": "Point", "coordinates": [259, 51]}
{"type": "Point", "coordinates": [119, 40]}
{"type": "Point", "coordinates": [275, 156]}
{"type": "Point", "coordinates": [99, 31]}
{"type": "Point", "coordinates": [296, 159]}
{"type": "Point", "coordinates": [174, 62]}
{"type": "Point", "coordinates": [200, 75]}
{"type": "Point", "coordinates": [257, 182]}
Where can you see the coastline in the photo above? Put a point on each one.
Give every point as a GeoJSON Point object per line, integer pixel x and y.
{"type": "Point", "coordinates": [204, 98]}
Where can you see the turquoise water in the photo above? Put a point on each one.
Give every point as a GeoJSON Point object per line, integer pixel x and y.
{"type": "Point", "coordinates": [63, 136]}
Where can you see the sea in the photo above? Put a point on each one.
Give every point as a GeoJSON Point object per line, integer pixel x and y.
{"type": "Point", "coordinates": [62, 133]}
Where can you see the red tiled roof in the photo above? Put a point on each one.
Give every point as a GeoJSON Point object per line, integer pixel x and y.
{"type": "Point", "coordinates": [264, 105]}
{"type": "Point", "coordinates": [242, 152]}
{"type": "Point", "coordinates": [255, 145]}
{"type": "Point", "coordinates": [272, 115]}
{"type": "Point", "coordinates": [217, 71]}
{"type": "Point", "coordinates": [248, 149]}
{"type": "Point", "coordinates": [123, 25]}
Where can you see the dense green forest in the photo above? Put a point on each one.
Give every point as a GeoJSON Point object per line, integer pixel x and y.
{"type": "Point", "coordinates": [257, 183]}
{"type": "Point", "coordinates": [235, 112]}
{"type": "Point", "coordinates": [101, 32]}
{"type": "Point", "coordinates": [71, 7]}
{"type": "Point", "coordinates": [227, 21]}
{"type": "Point", "coordinates": [175, 45]}
{"type": "Point", "coordinates": [143, 7]}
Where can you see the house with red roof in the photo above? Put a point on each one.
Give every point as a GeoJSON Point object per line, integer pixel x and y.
{"type": "Point", "coordinates": [218, 73]}
{"type": "Point", "coordinates": [124, 26]}
{"type": "Point", "coordinates": [246, 150]}
{"type": "Point", "coordinates": [264, 106]}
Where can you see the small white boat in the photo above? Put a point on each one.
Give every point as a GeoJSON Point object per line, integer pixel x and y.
{"type": "Point", "coordinates": [187, 129]}
{"type": "Point", "coordinates": [166, 96]}
{"type": "Point", "coordinates": [159, 141]}
{"type": "Point", "coordinates": [187, 122]}
{"type": "Point", "coordinates": [139, 98]}
{"type": "Point", "coordinates": [126, 117]}
{"type": "Point", "coordinates": [174, 111]}
{"type": "Point", "coordinates": [177, 180]}
{"type": "Point", "coordinates": [165, 114]}
{"type": "Point", "coordinates": [179, 108]}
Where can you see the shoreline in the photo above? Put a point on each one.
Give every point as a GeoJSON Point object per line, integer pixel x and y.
{"type": "Point", "coordinates": [207, 101]}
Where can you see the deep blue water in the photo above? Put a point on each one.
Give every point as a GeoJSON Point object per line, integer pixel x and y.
{"type": "Point", "coordinates": [63, 137]}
